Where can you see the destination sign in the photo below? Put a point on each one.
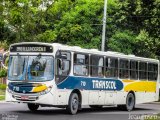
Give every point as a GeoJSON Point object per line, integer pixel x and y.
{"type": "Point", "coordinates": [31, 48]}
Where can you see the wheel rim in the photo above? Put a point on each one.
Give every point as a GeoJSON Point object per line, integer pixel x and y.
{"type": "Point", "coordinates": [74, 104]}
{"type": "Point", "coordinates": [130, 102]}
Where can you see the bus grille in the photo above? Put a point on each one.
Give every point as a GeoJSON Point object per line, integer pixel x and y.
{"type": "Point", "coordinates": [30, 98]}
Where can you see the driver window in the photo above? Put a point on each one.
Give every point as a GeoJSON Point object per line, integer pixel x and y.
{"type": "Point", "coordinates": [63, 62]}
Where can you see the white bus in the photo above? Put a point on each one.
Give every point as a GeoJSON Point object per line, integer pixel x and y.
{"type": "Point", "coordinates": [43, 74]}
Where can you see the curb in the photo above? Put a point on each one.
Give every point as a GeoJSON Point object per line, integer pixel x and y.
{"type": "Point", "coordinates": [153, 103]}
{"type": "Point", "coordinates": [3, 101]}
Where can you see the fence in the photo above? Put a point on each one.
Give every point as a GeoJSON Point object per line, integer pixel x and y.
{"type": "Point", "coordinates": [2, 80]}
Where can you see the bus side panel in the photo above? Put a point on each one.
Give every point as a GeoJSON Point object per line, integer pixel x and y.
{"type": "Point", "coordinates": [85, 97]}
{"type": "Point", "coordinates": [110, 97]}
{"type": "Point", "coordinates": [143, 97]}
{"type": "Point", "coordinates": [93, 97]}
{"type": "Point", "coordinates": [63, 96]}
{"type": "Point", "coordinates": [121, 97]}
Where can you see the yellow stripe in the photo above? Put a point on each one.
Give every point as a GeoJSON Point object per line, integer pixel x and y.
{"type": "Point", "coordinates": [39, 88]}
{"type": "Point", "coordinates": [142, 86]}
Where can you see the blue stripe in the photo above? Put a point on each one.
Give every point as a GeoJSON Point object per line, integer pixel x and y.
{"type": "Point", "coordinates": [91, 83]}
{"type": "Point", "coordinates": [20, 87]}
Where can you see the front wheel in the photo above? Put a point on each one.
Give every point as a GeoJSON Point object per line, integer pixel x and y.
{"type": "Point", "coordinates": [73, 104]}
{"type": "Point", "coordinates": [130, 103]}
{"type": "Point", "coordinates": [33, 107]}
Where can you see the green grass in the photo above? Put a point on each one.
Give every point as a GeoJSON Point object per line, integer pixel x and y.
{"type": "Point", "coordinates": [2, 98]}
{"type": "Point", "coordinates": [2, 92]}
{"type": "Point", "coordinates": [2, 87]}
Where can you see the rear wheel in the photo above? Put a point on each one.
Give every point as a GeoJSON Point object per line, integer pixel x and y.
{"type": "Point", "coordinates": [96, 106]}
{"type": "Point", "coordinates": [130, 103]}
{"type": "Point", "coordinates": [73, 104]}
{"type": "Point", "coordinates": [33, 107]}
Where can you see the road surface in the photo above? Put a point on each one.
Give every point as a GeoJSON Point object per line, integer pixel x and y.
{"type": "Point", "coordinates": [10, 111]}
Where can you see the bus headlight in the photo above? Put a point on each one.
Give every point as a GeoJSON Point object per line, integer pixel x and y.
{"type": "Point", "coordinates": [10, 91]}
{"type": "Point", "coordinates": [46, 91]}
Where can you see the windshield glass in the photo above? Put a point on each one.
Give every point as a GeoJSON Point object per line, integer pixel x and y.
{"type": "Point", "coordinates": [31, 68]}
{"type": "Point", "coordinates": [17, 67]}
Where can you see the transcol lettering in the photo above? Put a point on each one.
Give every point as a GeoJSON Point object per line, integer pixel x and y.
{"type": "Point", "coordinates": [111, 85]}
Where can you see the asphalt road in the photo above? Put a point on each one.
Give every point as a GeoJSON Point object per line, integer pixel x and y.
{"type": "Point", "coordinates": [10, 111]}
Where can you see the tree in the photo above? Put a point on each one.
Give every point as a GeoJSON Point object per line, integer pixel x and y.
{"type": "Point", "coordinates": [122, 41]}
{"type": "Point", "coordinates": [141, 17]}
{"type": "Point", "coordinates": [130, 23]}
{"type": "Point", "coordinates": [81, 24]}
{"type": "Point", "coordinates": [24, 20]}
{"type": "Point", "coordinates": [145, 45]}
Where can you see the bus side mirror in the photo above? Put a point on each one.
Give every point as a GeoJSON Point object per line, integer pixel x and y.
{"type": "Point", "coordinates": [60, 64]}
{"type": "Point", "coordinates": [3, 58]}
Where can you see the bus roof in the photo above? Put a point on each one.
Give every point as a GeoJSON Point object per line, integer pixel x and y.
{"type": "Point", "coordinates": [90, 51]}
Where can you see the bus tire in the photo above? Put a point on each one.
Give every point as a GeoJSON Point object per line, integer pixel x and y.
{"type": "Point", "coordinates": [33, 107]}
{"type": "Point", "coordinates": [96, 106]}
{"type": "Point", "coordinates": [130, 103]}
{"type": "Point", "coordinates": [73, 104]}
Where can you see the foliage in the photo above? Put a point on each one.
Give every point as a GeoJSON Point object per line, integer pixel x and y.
{"type": "Point", "coordinates": [146, 45]}
{"type": "Point", "coordinates": [4, 45]}
{"type": "Point", "coordinates": [122, 41]}
{"type": "Point", "coordinates": [2, 87]}
{"type": "Point", "coordinates": [132, 25]}
{"type": "Point", "coordinates": [2, 92]}
{"type": "Point", "coordinates": [78, 25]}
{"type": "Point", "coordinates": [3, 73]}
{"type": "Point", "coordinates": [142, 18]}
{"type": "Point", "coordinates": [2, 97]}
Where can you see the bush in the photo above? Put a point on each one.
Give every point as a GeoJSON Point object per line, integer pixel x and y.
{"type": "Point", "coordinates": [2, 97]}
{"type": "Point", "coordinates": [2, 87]}
{"type": "Point", "coordinates": [3, 73]}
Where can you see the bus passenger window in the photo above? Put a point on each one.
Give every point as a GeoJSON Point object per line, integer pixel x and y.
{"type": "Point", "coordinates": [111, 67]}
{"type": "Point", "coordinates": [81, 62]}
{"type": "Point", "coordinates": [123, 68]}
{"type": "Point", "coordinates": [152, 71]}
{"type": "Point", "coordinates": [63, 61]}
{"type": "Point", "coordinates": [97, 66]}
{"type": "Point", "coordinates": [134, 70]}
{"type": "Point", "coordinates": [142, 71]}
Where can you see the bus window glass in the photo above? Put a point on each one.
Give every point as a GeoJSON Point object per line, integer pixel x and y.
{"type": "Point", "coordinates": [134, 70]}
{"type": "Point", "coordinates": [111, 67]}
{"type": "Point", "coordinates": [40, 68]}
{"type": "Point", "coordinates": [123, 68]}
{"type": "Point", "coordinates": [32, 68]}
{"type": "Point", "coordinates": [152, 71]}
{"type": "Point", "coordinates": [17, 67]}
{"type": "Point", "coordinates": [81, 62]}
{"type": "Point", "coordinates": [142, 71]}
{"type": "Point", "coordinates": [97, 66]}
{"type": "Point", "coordinates": [63, 62]}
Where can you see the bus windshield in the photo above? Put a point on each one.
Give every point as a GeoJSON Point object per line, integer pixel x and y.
{"type": "Point", "coordinates": [31, 68]}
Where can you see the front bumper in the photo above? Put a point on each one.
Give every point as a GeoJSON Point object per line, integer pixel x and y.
{"type": "Point", "coordinates": [36, 98]}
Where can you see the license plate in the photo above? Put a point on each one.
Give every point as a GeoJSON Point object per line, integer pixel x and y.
{"type": "Point", "coordinates": [24, 97]}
